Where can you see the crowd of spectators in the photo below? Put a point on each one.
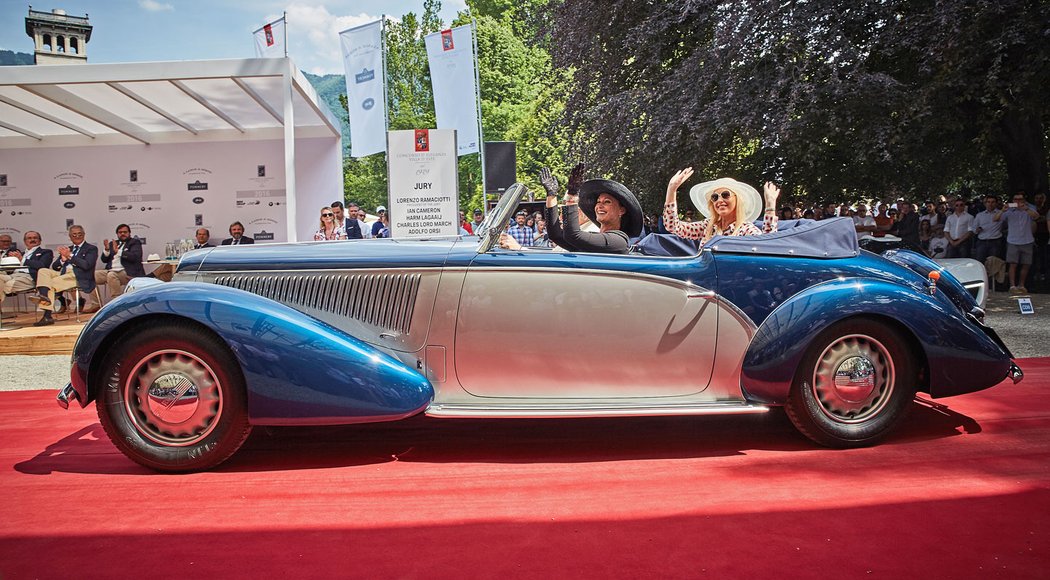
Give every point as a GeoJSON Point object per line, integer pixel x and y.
{"type": "Point", "coordinates": [1012, 231]}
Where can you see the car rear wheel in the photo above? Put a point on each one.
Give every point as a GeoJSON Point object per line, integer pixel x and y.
{"type": "Point", "coordinates": [855, 383]}
{"type": "Point", "coordinates": [173, 398]}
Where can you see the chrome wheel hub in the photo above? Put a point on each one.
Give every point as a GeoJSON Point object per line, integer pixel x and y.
{"type": "Point", "coordinates": [853, 379]}
{"type": "Point", "coordinates": [173, 398]}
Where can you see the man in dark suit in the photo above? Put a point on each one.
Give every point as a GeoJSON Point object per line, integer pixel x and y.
{"type": "Point", "coordinates": [74, 267]}
{"type": "Point", "coordinates": [203, 239]}
{"type": "Point", "coordinates": [237, 236]}
{"type": "Point", "coordinates": [33, 258]}
{"type": "Point", "coordinates": [165, 272]}
{"type": "Point", "coordinates": [123, 260]}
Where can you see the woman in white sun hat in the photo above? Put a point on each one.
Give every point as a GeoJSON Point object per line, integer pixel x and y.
{"type": "Point", "coordinates": [729, 208]}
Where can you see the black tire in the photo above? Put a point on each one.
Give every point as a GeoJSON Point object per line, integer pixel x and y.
{"type": "Point", "coordinates": [877, 379]}
{"type": "Point", "coordinates": [173, 398]}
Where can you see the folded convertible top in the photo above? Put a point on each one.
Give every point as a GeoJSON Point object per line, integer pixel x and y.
{"type": "Point", "coordinates": [830, 238]}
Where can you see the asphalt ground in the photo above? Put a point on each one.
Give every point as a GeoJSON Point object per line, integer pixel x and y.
{"type": "Point", "coordinates": [1027, 335]}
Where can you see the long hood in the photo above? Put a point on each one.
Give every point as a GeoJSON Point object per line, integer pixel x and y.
{"type": "Point", "coordinates": [385, 253]}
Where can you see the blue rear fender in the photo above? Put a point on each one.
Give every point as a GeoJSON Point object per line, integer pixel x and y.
{"type": "Point", "coordinates": [957, 355]}
{"type": "Point", "coordinates": [297, 369]}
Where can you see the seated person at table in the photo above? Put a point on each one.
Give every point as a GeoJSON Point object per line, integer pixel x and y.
{"type": "Point", "coordinates": [237, 236]}
{"type": "Point", "coordinates": [123, 260]}
{"type": "Point", "coordinates": [32, 259]}
{"type": "Point", "coordinates": [74, 267]}
{"type": "Point", "coordinates": [7, 246]}
{"type": "Point", "coordinates": [164, 272]}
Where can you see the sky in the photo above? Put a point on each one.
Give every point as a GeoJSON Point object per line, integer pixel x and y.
{"type": "Point", "coordinates": [160, 30]}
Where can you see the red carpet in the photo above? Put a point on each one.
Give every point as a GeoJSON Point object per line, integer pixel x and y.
{"type": "Point", "coordinates": [962, 491]}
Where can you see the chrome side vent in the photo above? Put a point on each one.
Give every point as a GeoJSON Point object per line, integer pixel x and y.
{"type": "Point", "coordinates": [383, 300]}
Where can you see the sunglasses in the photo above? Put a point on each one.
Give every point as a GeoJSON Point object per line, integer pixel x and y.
{"type": "Point", "coordinates": [328, 215]}
{"type": "Point", "coordinates": [725, 193]}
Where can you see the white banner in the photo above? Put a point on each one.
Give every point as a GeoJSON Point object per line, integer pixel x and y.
{"type": "Point", "coordinates": [270, 40]}
{"type": "Point", "coordinates": [452, 59]}
{"type": "Point", "coordinates": [424, 183]}
{"type": "Point", "coordinates": [365, 98]}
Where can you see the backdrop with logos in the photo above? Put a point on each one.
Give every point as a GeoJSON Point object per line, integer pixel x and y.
{"type": "Point", "coordinates": [166, 191]}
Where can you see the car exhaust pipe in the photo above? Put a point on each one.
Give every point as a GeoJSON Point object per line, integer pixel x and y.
{"type": "Point", "coordinates": [1015, 373]}
{"type": "Point", "coordinates": [68, 393]}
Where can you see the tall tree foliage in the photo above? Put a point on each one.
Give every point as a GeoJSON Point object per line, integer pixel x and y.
{"type": "Point", "coordinates": [836, 99]}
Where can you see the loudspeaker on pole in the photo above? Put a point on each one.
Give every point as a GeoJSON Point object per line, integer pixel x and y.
{"type": "Point", "coordinates": [501, 165]}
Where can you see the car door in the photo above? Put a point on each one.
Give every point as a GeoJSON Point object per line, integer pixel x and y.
{"type": "Point", "coordinates": [558, 325]}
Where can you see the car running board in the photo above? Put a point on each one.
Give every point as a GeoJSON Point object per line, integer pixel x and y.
{"type": "Point", "coordinates": [526, 411]}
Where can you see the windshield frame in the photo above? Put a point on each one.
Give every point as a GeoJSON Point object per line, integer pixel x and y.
{"type": "Point", "coordinates": [497, 219]}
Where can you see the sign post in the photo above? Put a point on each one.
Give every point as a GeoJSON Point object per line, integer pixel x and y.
{"type": "Point", "coordinates": [424, 183]}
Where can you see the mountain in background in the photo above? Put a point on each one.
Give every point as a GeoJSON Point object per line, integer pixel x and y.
{"type": "Point", "coordinates": [328, 88]}
{"type": "Point", "coordinates": [11, 58]}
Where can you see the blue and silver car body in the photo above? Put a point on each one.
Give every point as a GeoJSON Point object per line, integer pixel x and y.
{"type": "Point", "coordinates": [378, 330]}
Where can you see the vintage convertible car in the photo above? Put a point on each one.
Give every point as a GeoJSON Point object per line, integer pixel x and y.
{"type": "Point", "coordinates": [379, 330]}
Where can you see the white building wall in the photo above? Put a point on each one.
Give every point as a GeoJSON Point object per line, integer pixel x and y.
{"type": "Point", "coordinates": [165, 191]}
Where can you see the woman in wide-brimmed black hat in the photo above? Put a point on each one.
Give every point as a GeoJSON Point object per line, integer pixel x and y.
{"type": "Point", "coordinates": [607, 203]}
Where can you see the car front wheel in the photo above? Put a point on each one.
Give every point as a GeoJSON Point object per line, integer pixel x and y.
{"type": "Point", "coordinates": [173, 398]}
{"type": "Point", "coordinates": [856, 382]}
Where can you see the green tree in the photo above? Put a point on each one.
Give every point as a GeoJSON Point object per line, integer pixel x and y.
{"type": "Point", "coordinates": [836, 99]}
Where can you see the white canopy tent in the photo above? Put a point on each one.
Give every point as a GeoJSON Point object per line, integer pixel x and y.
{"type": "Point", "coordinates": [194, 112]}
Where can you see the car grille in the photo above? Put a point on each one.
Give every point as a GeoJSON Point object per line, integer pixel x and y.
{"type": "Point", "coordinates": [383, 300]}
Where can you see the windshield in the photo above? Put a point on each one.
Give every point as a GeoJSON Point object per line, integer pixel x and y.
{"type": "Point", "coordinates": [497, 220]}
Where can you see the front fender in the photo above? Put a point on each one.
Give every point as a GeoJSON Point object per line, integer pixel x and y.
{"type": "Point", "coordinates": [297, 369]}
{"type": "Point", "coordinates": [959, 356]}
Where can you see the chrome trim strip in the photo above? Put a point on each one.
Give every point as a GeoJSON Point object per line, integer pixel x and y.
{"type": "Point", "coordinates": [526, 411]}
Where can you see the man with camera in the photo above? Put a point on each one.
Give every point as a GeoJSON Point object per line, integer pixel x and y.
{"type": "Point", "coordinates": [1020, 241]}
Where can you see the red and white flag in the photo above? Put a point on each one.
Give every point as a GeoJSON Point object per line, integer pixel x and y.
{"type": "Point", "coordinates": [270, 40]}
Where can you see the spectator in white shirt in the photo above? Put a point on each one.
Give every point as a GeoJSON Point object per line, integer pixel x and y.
{"type": "Point", "coordinates": [1020, 241]}
{"type": "Point", "coordinates": [957, 231]}
{"type": "Point", "coordinates": [864, 222]}
{"type": "Point", "coordinates": [366, 229]}
{"type": "Point", "coordinates": [930, 214]}
{"type": "Point", "coordinates": [988, 230]}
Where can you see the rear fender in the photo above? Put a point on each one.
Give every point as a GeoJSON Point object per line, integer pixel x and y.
{"type": "Point", "coordinates": [958, 355]}
{"type": "Point", "coordinates": [298, 370]}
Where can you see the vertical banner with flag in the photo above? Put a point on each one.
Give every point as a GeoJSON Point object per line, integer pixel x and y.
{"type": "Point", "coordinates": [452, 76]}
{"type": "Point", "coordinates": [270, 40]}
{"type": "Point", "coordinates": [365, 87]}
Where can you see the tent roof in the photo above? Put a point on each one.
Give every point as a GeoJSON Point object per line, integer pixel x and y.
{"type": "Point", "coordinates": [156, 102]}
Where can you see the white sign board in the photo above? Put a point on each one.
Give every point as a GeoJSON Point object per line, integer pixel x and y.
{"type": "Point", "coordinates": [424, 183]}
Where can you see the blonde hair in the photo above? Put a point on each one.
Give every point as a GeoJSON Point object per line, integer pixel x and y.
{"type": "Point", "coordinates": [334, 226]}
{"type": "Point", "coordinates": [741, 217]}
